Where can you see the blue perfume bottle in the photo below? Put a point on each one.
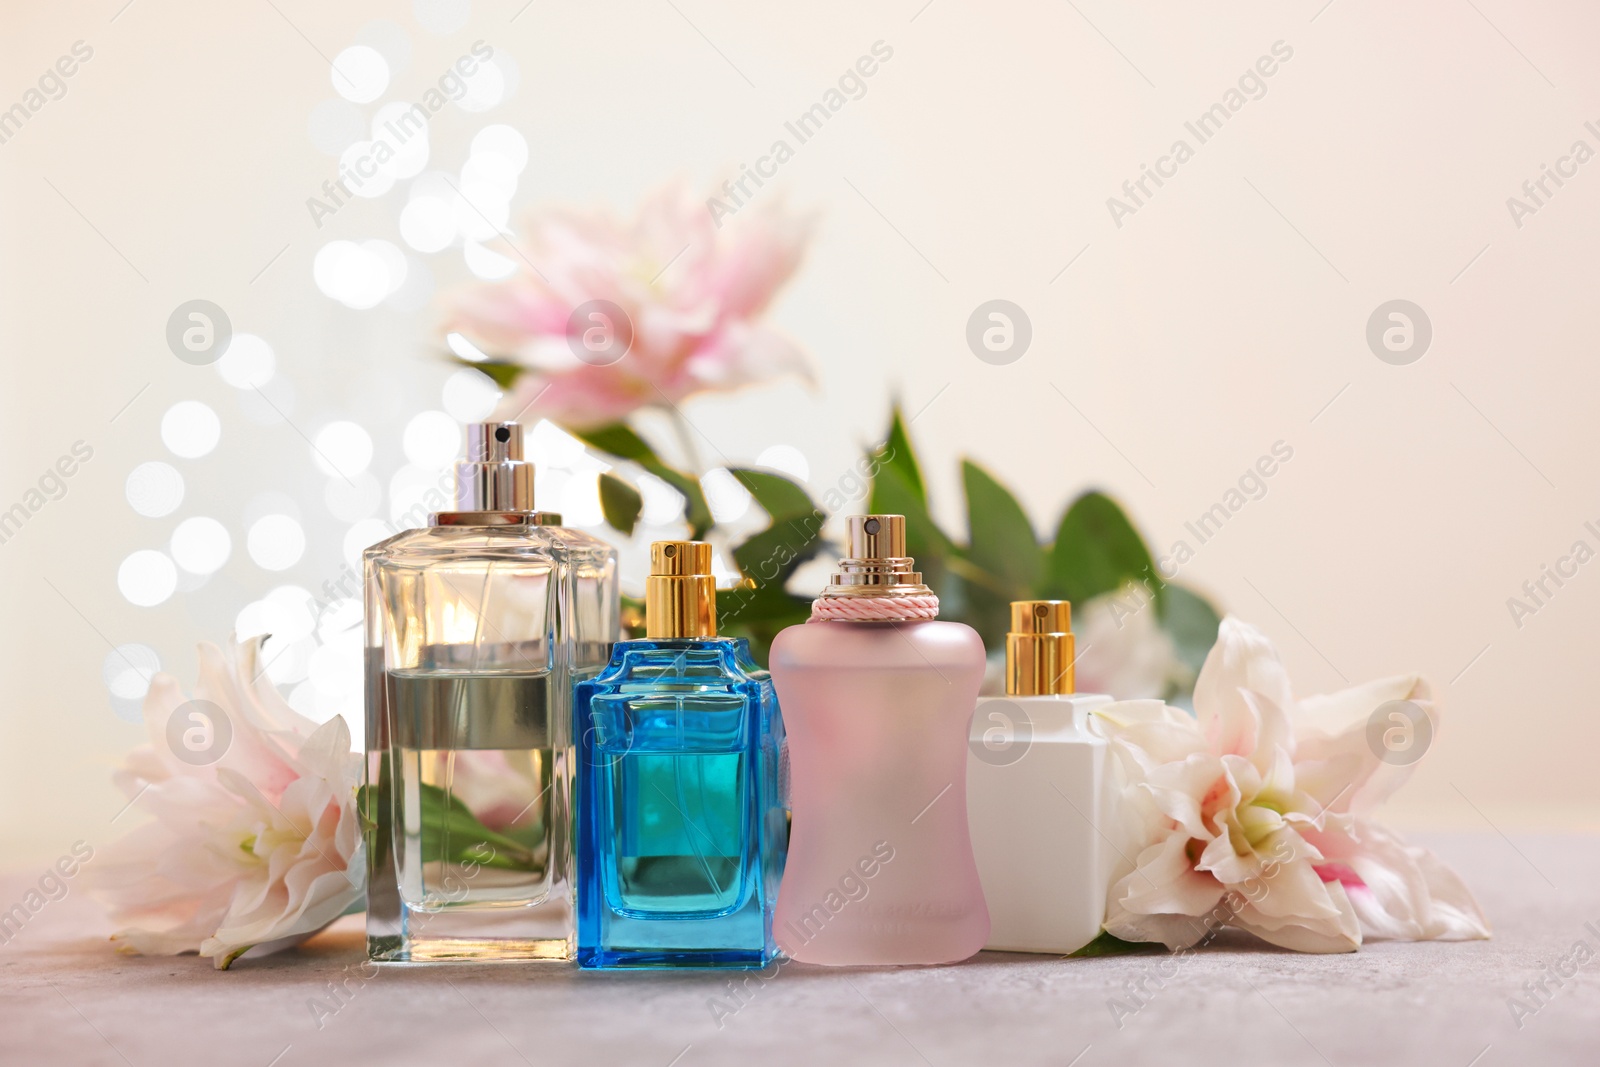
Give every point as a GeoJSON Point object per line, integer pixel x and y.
{"type": "Point", "coordinates": [681, 829]}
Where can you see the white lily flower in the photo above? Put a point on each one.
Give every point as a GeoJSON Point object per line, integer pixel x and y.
{"type": "Point", "coordinates": [255, 840]}
{"type": "Point", "coordinates": [1251, 814]}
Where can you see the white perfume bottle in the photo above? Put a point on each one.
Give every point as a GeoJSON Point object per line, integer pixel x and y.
{"type": "Point", "coordinates": [1037, 793]}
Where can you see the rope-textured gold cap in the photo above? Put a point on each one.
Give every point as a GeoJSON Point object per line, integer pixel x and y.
{"type": "Point", "coordinates": [1040, 648]}
{"type": "Point", "coordinates": [680, 596]}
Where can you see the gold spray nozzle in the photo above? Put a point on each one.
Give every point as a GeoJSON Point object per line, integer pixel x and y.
{"type": "Point", "coordinates": [1040, 648]}
{"type": "Point", "coordinates": [875, 562]}
{"type": "Point", "coordinates": [876, 537]}
{"type": "Point", "coordinates": [680, 596]}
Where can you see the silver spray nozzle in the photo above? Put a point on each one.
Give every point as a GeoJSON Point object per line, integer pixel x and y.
{"type": "Point", "coordinates": [494, 476]}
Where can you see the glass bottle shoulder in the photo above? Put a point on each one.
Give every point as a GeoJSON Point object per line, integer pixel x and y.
{"type": "Point", "coordinates": [685, 664]}
{"type": "Point", "coordinates": [428, 544]}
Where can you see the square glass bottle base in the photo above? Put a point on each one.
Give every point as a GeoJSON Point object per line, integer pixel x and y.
{"type": "Point", "coordinates": [737, 942]}
{"type": "Point", "coordinates": [484, 935]}
{"type": "Point", "coordinates": [596, 959]}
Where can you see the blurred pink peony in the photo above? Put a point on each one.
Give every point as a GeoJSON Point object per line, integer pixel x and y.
{"type": "Point", "coordinates": [255, 840]}
{"type": "Point", "coordinates": [1252, 814]}
{"type": "Point", "coordinates": [691, 295]}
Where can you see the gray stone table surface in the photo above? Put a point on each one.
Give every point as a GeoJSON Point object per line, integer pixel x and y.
{"type": "Point", "coordinates": [67, 998]}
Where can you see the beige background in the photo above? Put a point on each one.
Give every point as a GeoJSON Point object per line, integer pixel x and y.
{"type": "Point", "coordinates": [1228, 313]}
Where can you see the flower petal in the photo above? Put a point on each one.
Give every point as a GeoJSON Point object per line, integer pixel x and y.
{"type": "Point", "coordinates": [1408, 894]}
{"type": "Point", "coordinates": [1152, 731]}
{"type": "Point", "coordinates": [1338, 766]}
{"type": "Point", "coordinates": [1242, 660]}
{"type": "Point", "coordinates": [1334, 929]}
{"type": "Point", "coordinates": [1163, 897]}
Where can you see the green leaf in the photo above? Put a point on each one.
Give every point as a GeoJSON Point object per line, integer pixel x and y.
{"type": "Point", "coordinates": [1003, 562]}
{"type": "Point", "coordinates": [1191, 622]}
{"type": "Point", "coordinates": [932, 547]}
{"type": "Point", "coordinates": [1096, 551]}
{"type": "Point", "coordinates": [452, 834]}
{"type": "Point", "coordinates": [697, 512]}
{"type": "Point", "coordinates": [1003, 542]}
{"type": "Point", "coordinates": [620, 503]}
{"type": "Point", "coordinates": [618, 439]}
{"type": "Point", "coordinates": [1108, 945]}
{"type": "Point", "coordinates": [898, 489]}
{"type": "Point", "coordinates": [893, 495]}
{"type": "Point", "coordinates": [767, 559]}
{"type": "Point", "coordinates": [761, 606]}
{"type": "Point", "coordinates": [897, 454]}
{"type": "Point", "coordinates": [758, 614]}
{"type": "Point", "coordinates": [782, 498]}
{"type": "Point", "coordinates": [771, 556]}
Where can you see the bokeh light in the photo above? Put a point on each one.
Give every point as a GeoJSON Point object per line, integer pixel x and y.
{"type": "Point", "coordinates": [361, 172]}
{"type": "Point", "coordinates": [353, 274]}
{"type": "Point", "coordinates": [147, 578]}
{"type": "Point", "coordinates": [190, 429]}
{"type": "Point", "coordinates": [427, 224]}
{"type": "Point", "coordinates": [488, 86]}
{"type": "Point", "coordinates": [786, 458]}
{"type": "Point", "coordinates": [275, 542]}
{"type": "Point", "coordinates": [499, 142]}
{"type": "Point", "coordinates": [360, 74]}
{"type": "Point", "coordinates": [403, 127]}
{"type": "Point", "coordinates": [201, 545]}
{"type": "Point", "coordinates": [154, 489]}
{"type": "Point", "coordinates": [727, 499]}
{"type": "Point", "coordinates": [127, 671]}
{"type": "Point", "coordinates": [247, 362]}
{"type": "Point", "coordinates": [662, 503]}
{"type": "Point", "coordinates": [580, 500]}
{"type": "Point", "coordinates": [469, 395]}
{"type": "Point", "coordinates": [432, 440]}
{"type": "Point", "coordinates": [486, 263]}
{"type": "Point", "coordinates": [342, 449]}
{"type": "Point", "coordinates": [464, 348]}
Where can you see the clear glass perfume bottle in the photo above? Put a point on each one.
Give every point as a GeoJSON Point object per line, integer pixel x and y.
{"type": "Point", "coordinates": [477, 626]}
{"type": "Point", "coordinates": [1030, 751]}
{"type": "Point", "coordinates": [879, 697]}
{"type": "Point", "coordinates": [681, 831]}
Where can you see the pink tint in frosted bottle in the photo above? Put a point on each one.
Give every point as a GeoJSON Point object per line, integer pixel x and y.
{"type": "Point", "coordinates": [878, 700]}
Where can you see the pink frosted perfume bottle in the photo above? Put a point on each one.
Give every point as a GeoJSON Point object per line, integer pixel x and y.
{"type": "Point", "coordinates": [878, 699]}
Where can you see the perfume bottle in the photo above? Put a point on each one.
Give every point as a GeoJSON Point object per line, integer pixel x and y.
{"type": "Point", "coordinates": [681, 831]}
{"type": "Point", "coordinates": [477, 626]}
{"type": "Point", "coordinates": [879, 698]}
{"type": "Point", "coordinates": [1032, 753]}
